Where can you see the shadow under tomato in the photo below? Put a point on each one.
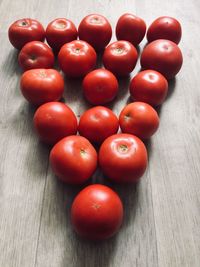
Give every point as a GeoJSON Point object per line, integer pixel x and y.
{"type": "Point", "coordinates": [10, 64]}
{"type": "Point", "coordinates": [171, 88]}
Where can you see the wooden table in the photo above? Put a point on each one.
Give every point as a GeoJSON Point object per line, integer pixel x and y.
{"type": "Point", "coordinates": [162, 213]}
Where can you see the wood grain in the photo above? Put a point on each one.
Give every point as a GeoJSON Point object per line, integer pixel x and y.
{"type": "Point", "coordinates": [162, 215]}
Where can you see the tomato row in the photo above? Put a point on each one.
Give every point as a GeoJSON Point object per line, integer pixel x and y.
{"type": "Point", "coordinates": [77, 58]}
{"type": "Point", "coordinates": [97, 211]}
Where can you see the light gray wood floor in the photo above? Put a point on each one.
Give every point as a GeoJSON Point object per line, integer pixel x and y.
{"type": "Point", "coordinates": [162, 214]}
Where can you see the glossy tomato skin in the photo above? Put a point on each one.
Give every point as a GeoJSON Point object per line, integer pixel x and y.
{"type": "Point", "coordinates": [96, 30]}
{"type": "Point", "coordinates": [54, 121]}
{"type": "Point", "coordinates": [59, 32]}
{"type": "Point", "coordinates": [39, 86]}
{"type": "Point", "coordinates": [149, 86]}
{"type": "Point", "coordinates": [123, 158]}
{"type": "Point", "coordinates": [77, 58]}
{"type": "Point", "coordinates": [163, 56]}
{"type": "Point", "coordinates": [100, 87]}
{"type": "Point", "coordinates": [36, 55]}
{"type": "Point", "coordinates": [25, 30]}
{"type": "Point", "coordinates": [130, 28]}
{"type": "Point", "coordinates": [120, 58]}
{"type": "Point", "coordinates": [97, 212]}
{"type": "Point", "coordinates": [140, 119]}
{"type": "Point", "coordinates": [165, 28]}
{"type": "Point", "coordinates": [97, 123]}
{"type": "Point", "coordinates": [73, 159]}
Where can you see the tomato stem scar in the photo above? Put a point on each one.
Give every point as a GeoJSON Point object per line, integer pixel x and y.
{"type": "Point", "coordinates": [122, 148]}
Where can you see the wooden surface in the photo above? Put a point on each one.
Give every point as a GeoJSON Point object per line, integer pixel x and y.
{"type": "Point", "coordinates": [162, 213]}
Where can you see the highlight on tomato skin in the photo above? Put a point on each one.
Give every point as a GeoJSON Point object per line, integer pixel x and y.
{"type": "Point", "coordinates": [25, 30]}
{"type": "Point", "coordinates": [97, 212]}
{"type": "Point", "coordinates": [73, 160]}
{"type": "Point", "coordinates": [120, 58]}
{"type": "Point", "coordinates": [163, 56]}
{"type": "Point", "coordinates": [130, 28]}
{"type": "Point", "coordinates": [123, 158]}
{"type": "Point", "coordinates": [98, 123]}
{"type": "Point", "coordinates": [39, 86]}
{"type": "Point", "coordinates": [165, 27]}
{"type": "Point", "coordinates": [53, 121]}
{"type": "Point", "coordinates": [35, 55]}
{"type": "Point", "coordinates": [140, 119]}
{"type": "Point", "coordinates": [149, 86]}
{"type": "Point", "coordinates": [60, 31]}
{"type": "Point", "coordinates": [100, 87]}
{"type": "Point", "coordinates": [77, 58]}
{"type": "Point", "coordinates": [96, 30]}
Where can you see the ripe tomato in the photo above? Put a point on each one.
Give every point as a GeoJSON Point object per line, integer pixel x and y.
{"type": "Point", "coordinates": [100, 86]}
{"type": "Point", "coordinates": [140, 119]}
{"type": "Point", "coordinates": [123, 158]}
{"type": "Point", "coordinates": [96, 30]}
{"type": "Point", "coordinates": [97, 212]}
{"type": "Point", "coordinates": [59, 32]}
{"type": "Point", "coordinates": [130, 28]}
{"type": "Point", "coordinates": [39, 86]}
{"type": "Point", "coordinates": [97, 123]}
{"type": "Point", "coordinates": [36, 55]}
{"type": "Point", "coordinates": [164, 56]}
{"type": "Point", "coordinates": [149, 86]}
{"type": "Point", "coordinates": [25, 30]}
{"type": "Point", "coordinates": [54, 121]}
{"type": "Point", "coordinates": [165, 28]}
{"type": "Point", "coordinates": [73, 159]}
{"type": "Point", "coordinates": [77, 58]}
{"type": "Point", "coordinates": [120, 58]}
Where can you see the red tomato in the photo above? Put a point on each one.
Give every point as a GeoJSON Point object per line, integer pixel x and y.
{"type": "Point", "coordinates": [100, 86]}
{"type": "Point", "coordinates": [164, 56]}
{"type": "Point", "coordinates": [59, 32]}
{"type": "Point", "coordinates": [25, 30]}
{"type": "Point", "coordinates": [140, 119]}
{"type": "Point", "coordinates": [120, 58]}
{"type": "Point", "coordinates": [130, 28]}
{"type": "Point", "coordinates": [77, 58]}
{"type": "Point", "coordinates": [96, 30]}
{"type": "Point", "coordinates": [97, 123]}
{"type": "Point", "coordinates": [54, 121]}
{"type": "Point", "coordinates": [73, 159]}
{"type": "Point", "coordinates": [36, 55]}
{"type": "Point", "coordinates": [123, 158]}
{"type": "Point", "coordinates": [149, 86]}
{"type": "Point", "coordinates": [39, 86]}
{"type": "Point", "coordinates": [97, 212]}
{"type": "Point", "coordinates": [165, 28]}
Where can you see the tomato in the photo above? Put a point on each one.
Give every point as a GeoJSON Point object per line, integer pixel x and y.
{"type": "Point", "coordinates": [25, 30]}
{"type": "Point", "coordinates": [100, 87]}
{"type": "Point", "coordinates": [96, 30]}
{"type": "Point", "coordinates": [73, 159]}
{"type": "Point", "coordinates": [97, 123]}
{"type": "Point", "coordinates": [164, 56]}
{"type": "Point", "coordinates": [140, 119]}
{"type": "Point", "coordinates": [39, 86]}
{"type": "Point", "coordinates": [59, 32]}
{"type": "Point", "coordinates": [36, 55]}
{"type": "Point", "coordinates": [149, 86]}
{"type": "Point", "coordinates": [54, 121]}
{"type": "Point", "coordinates": [77, 58]}
{"type": "Point", "coordinates": [123, 158]}
{"type": "Point", "coordinates": [120, 58]}
{"type": "Point", "coordinates": [165, 28]}
{"type": "Point", "coordinates": [130, 28]}
{"type": "Point", "coordinates": [97, 212]}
